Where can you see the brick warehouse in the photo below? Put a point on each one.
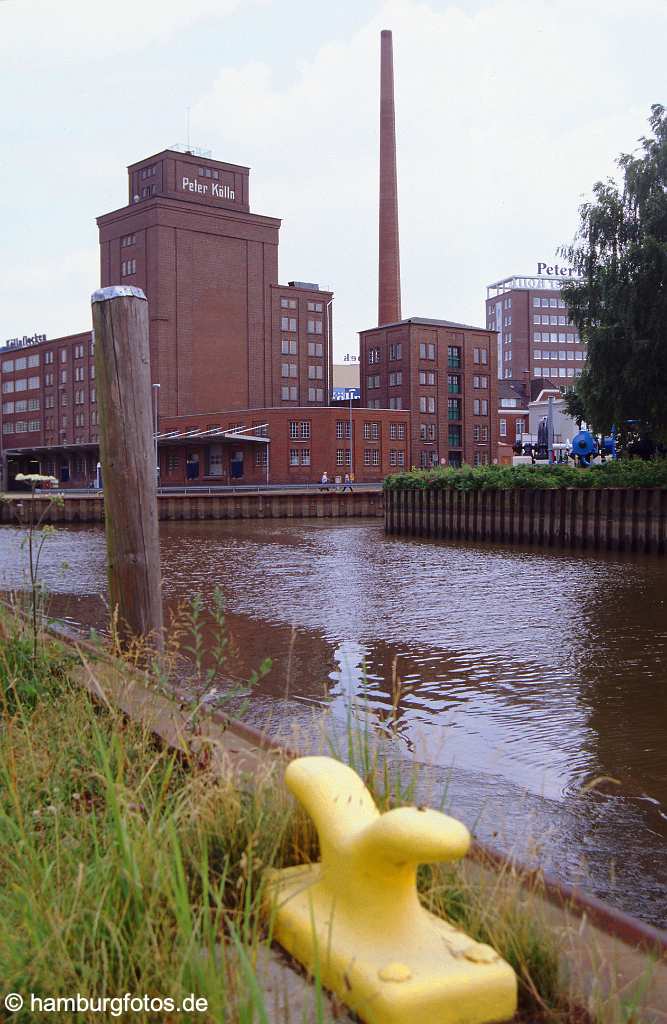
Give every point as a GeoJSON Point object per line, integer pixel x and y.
{"type": "Point", "coordinates": [230, 347]}
{"type": "Point", "coordinates": [241, 364]}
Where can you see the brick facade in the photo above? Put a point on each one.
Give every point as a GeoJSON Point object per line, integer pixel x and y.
{"type": "Point", "coordinates": [445, 374]}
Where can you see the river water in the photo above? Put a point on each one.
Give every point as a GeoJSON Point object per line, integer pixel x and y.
{"type": "Point", "coordinates": [516, 677]}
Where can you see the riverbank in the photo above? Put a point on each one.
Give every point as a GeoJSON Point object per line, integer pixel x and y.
{"type": "Point", "coordinates": [306, 503]}
{"type": "Point", "coordinates": [164, 851]}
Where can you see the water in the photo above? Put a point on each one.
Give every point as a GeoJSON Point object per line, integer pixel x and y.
{"type": "Point", "coordinates": [517, 676]}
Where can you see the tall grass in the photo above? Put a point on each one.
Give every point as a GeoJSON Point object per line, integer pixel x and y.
{"type": "Point", "coordinates": [127, 868]}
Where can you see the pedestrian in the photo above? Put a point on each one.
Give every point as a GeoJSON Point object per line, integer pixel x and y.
{"type": "Point", "coordinates": [324, 482]}
{"type": "Point", "coordinates": [347, 483]}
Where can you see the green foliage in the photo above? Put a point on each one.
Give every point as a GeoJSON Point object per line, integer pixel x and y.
{"type": "Point", "coordinates": [26, 676]}
{"type": "Point", "coordinates": [620, 306]}
{"type": "Point", "coordinates": [622, 473]}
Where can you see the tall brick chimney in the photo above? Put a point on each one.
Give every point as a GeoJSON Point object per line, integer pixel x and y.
{"type": "Point", "coordinates": [389, 266]}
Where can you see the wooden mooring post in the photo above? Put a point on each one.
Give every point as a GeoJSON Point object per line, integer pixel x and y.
{"type": "Point", "coordinates": [127, 456]}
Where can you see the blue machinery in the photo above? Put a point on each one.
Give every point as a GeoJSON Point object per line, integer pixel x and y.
{"type": "Point", "coordinates": [585, 447]}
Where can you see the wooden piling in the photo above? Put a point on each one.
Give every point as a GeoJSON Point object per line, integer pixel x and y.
{"type": "Point", "coordinates": [127, 455]}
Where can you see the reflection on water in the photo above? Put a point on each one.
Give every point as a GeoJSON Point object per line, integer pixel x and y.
{"type": "Point", "coordinates": [518, 676]}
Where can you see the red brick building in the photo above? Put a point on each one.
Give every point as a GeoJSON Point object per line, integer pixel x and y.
{"type": "Point", "coordinates": [536, 337]}
{"type": "Point", "coordinates": [445, 374]}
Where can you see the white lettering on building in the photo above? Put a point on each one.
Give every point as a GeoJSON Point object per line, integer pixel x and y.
{"type": "Point", "coordinates": [219, 191]}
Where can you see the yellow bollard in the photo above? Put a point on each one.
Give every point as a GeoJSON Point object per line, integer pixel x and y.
{"type": "Point", "coordinates": [355, 918]}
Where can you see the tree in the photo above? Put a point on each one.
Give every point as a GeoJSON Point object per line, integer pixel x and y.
{"type": "Point", "coordinates": [574, 407]}
{"type": "Point", "coordinates": [620, 303]}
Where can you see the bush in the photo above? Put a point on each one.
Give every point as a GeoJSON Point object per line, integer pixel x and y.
{"type": "Point", "coordinates": [630, 473]}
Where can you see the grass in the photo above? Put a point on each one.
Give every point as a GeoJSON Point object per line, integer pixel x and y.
{"type": "Point", "coordinates": [126, 868]}
{"type": "Point", "coordinates": [622, 473]}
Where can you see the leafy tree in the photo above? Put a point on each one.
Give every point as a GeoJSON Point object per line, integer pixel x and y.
{"type": "Point", "coordinates": [573, 406]}
{"type": "Point", "coordinates": [620, 305]}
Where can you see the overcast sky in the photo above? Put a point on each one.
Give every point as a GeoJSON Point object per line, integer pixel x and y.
{"type": "Point", "coordinates": [507, 112]}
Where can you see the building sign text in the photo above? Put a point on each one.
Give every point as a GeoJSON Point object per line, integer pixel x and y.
{"type": "Point", "coordinates": [215, 189]}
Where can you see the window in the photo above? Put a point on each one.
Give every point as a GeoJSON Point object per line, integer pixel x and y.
{"type": "Point", "coordinates": [544, 302]}
{"type": "Point", "coordinates": [288, 304]}
{"type": "Point", "coordinates": [578, 355]}
{"type": "Point", "coordinates": [397, 431]}
{"type": "Point", "coordinates": [394, 403]}
{"type": "Point", "coordinates": [453, 383]}
{"type": "Point", "coordinates": [315, 372]}
{"type": "Point", "coordinates": [262, 456]}
{"type": "Point", "coordinates": [33, 382]}
{"type": "Point", "coordinates": [294, 456]}
{"type": "Point", "coordinates": [373, 355]}
{"type": "Point", "coordinates": [519, 427]}
{"type": "Point", "coordinates": [22, 384]}
{"type": "Point", "coordinates": [21, 364]}
{"type": "Point", "coordinates": [8, 366]}
{"type": "Point", "coordinates": [343, 457]}
{"type": "Point", "coordinates": [537, 353]}
{"type": "Point", "coordinates": [428, 431]}
{"type": "Point", "coordinates": [20, 427]}
{"type": "Point", "coordinates": [7, 407]}
{"type": "Point", "coordinates": [288, 348]}
{"type": "Point", "coordinates": [63, 355]}
{"type": "Point", "coordinates": [128, 267]}
{"type": "Point", "coordinates": [314, 326]}
{"type": "Point", "coordinates": [288, 323]}
{"type": "Point", "coordinates": [33, 361]}
{"type": "Point", "coordinates": [92, 371]}
{"type": "Point", "coordinates": [483, 381]}
{"type": "Point", "coordinates": [395, 379]}
{"type": "Point", "coordinates": [453, 357]}
{"type": "Point", "coordinates": [314, 307]}
{"type": "Point", "coordinates": [371, 431]}
{"type": "Point", "coordinates": [299, 430]}
{"type": "Point", "coordinates": [373, 382]}
{"type": "Point", "coordinates": [127, 240]}
{"type": "Point", "coordinates": [485, 354]}
{"type": "Point", "coordinates": [476, 432]}
{"type": "Point", "coordinates": [7, 387]}
{"type": "Point", "coordinates": [453, 408]}
{"type": "Point", "coordinates": [427, 404]}
{"type": "Point", "coordinates": [395, 351]}
{"type": "Point", "coordinates": [78, 351]}
{"type": "Point", "coordinates": [79, 372]}
{"type": "Point", "coordinates": [503, 427]}
{"type": "Point", "coordinates": [454, 436]}
{"type": "Point", "coordinates": [480, 407]}
{"type": "Point", "coordinates": [342, 428]}
{"type": "Point", "coordinates": [315, 348]}
{"type": "Point", "coordinates": [536, 302]}
{"type": "Point", "coordinates": [371, 457]}
{"type": "Point", "coordinates": [427, 377]}
{"type": "Point", "coordinates": [93, 395]}
{"type": "Point", "coordinates": [485, 434]}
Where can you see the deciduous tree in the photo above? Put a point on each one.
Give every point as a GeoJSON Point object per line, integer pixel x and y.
{"type": "Point", "coordinates": [620, 303]}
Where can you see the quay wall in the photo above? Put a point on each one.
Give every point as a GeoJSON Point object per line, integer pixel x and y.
{"type": "Point", "coordinates": [610, 519]}
{"type": "Point", "coordinates": [173, 507]}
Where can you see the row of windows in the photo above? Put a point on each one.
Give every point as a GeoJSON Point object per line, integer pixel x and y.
{"type": "Point", "coordinates": [127, 240]}
{"type": "Point", "coordinates": [289, 347]}
{"type": "Point", "coordinates": [559, 337]}
{"type": "Point", "coordinates": [22, 384]}
{"type": "Point", "coordinates": [572, 355]}
{"type": "Point", "coordinates": [208, 172]}
{"type": "Point", "coordinates": [23, 405]}
{"type": "Point", "coordinates": [291, 394]}
{"type": "Point", "coordinates": [22, 363]}
{"type": "Point", "coordinates": [313, 307]}
{"type": "Point", "coordinates": [552, 303]}
{"type": "Point", "coordinates": [518, 427]}
{"type": "Point", "coordinates": [128, 267]}
{"type": "Point", "coordinates": [148, 172]}
{"type": "Point", "coordinates": [542, 318]}
{"type": "Point", "coordinates": [560, 371]}
{"type": "Point", "coordinates": [21, 426]}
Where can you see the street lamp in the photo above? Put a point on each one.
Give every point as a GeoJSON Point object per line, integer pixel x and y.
{"type": "Point", "coordinates": [156, 392]}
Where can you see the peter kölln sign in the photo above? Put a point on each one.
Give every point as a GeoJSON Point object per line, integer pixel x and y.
{"type": "Point", "coordinates": [215, 189]}
{"type": "Point", "coordinates": [555, 271]}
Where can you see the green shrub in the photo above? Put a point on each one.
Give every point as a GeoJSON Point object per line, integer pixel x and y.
{"type": "Point", "coordinates": [630, 473]}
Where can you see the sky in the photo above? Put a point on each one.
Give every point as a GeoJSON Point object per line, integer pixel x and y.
{"type": "Point", "coordinates": [507, 113]}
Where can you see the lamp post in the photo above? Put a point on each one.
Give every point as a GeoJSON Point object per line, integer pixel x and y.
{"type": "Point", "coordinates": [156, 392]}
{"type": "Point", "coordinates": [351, 441]}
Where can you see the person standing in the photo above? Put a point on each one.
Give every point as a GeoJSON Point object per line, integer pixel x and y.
{"type": "Point", "coordinates": [324, 482]}
{"type": "Point", "coordinates": [347, 483]}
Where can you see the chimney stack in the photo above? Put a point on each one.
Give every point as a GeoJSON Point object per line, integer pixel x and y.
{"type": "Point", "coordinates": [389, 267]}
